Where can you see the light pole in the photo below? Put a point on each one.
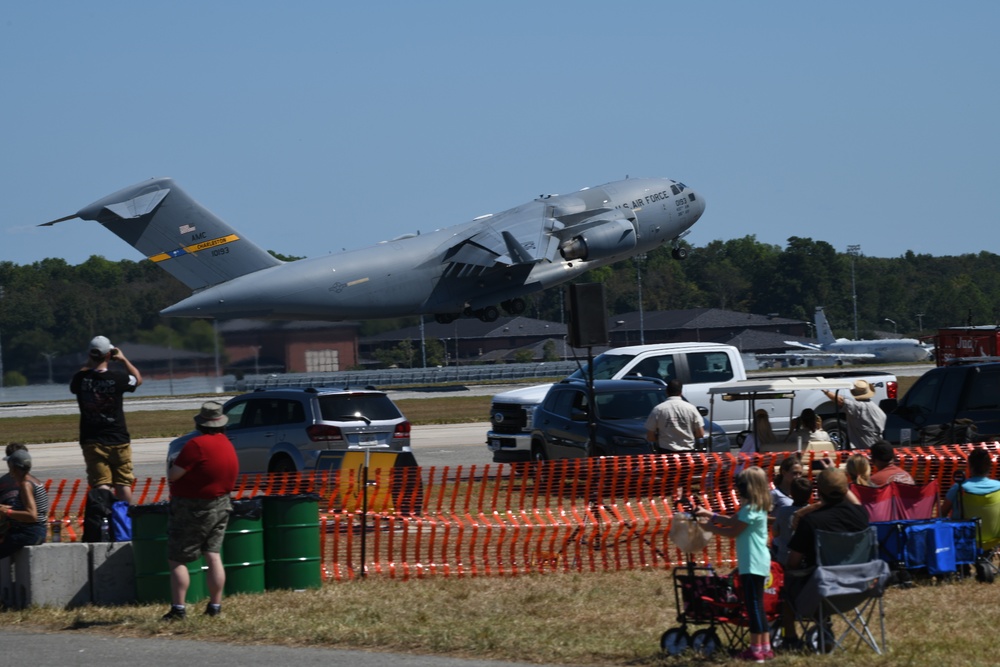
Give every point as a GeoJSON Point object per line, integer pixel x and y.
{"type": "Point", "coordinates": [48, 357]}
{"type": "Point", "coordinates": [920, 321]}
{"type": "Point", "coordinates": [853, 251]}
{"type": "Point", "coordinates": [638, 281]}
{"type": "Point", "coordinates": [894, 329]}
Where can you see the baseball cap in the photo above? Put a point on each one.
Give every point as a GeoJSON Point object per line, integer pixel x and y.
{"type": "Point", "coordinates": [101, 345]}
{"type": "Point", "coordinates": [20, 459]}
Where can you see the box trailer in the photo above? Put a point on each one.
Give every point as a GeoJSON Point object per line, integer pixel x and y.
{"type": "Point", "coordinates": [967, 344]}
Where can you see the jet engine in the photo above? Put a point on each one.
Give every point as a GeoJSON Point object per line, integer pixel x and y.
{"type": "Point", "coordinates": [603, 240]}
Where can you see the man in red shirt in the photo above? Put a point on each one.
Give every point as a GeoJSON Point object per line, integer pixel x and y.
{"type": "Point", "coordinates": [884, 468]}
{"type": "Point", "coordinates": [201, 479]}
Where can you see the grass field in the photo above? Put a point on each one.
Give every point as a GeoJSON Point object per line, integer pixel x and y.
{"type": "Point", "coordinates": [171, 423]}
{"type": "Point", "coordinates": [611, 618]}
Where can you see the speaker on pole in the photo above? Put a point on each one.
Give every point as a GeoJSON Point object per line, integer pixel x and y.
{"type": "Point", "coordinates": [588, 323]}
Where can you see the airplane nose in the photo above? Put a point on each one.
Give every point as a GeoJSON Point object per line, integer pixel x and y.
{"type": "Point", "coordinates": [698, 205]}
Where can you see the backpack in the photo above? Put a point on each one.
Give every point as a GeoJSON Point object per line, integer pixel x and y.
{"type": "Point", "coordinates": [105, 519]}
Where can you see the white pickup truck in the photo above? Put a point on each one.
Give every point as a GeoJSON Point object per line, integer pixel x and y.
{"type": "Point", "coordinates": [699, 366]}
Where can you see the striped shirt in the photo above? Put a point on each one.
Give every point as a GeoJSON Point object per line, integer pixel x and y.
{"type": "Point", "coordinates": [41, 503]}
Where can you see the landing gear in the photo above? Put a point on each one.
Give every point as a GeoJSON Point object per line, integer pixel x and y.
{"type": "Point", "coordinates": [679, 252]}
{"type": "Point", "coordinates": [488, 314]}
{"type": "Point", "coordinates": [445, 318]}
{"type": "Point", "coordinates": [513, 306]}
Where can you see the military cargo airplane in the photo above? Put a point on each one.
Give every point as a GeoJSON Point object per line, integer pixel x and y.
{"type": "Point", "coordinates": [466, 269]}
{"type": "Point", "coordinates": [863, 351]}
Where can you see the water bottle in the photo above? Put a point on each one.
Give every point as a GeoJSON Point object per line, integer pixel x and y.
{"type": "Point", "coordinates": [105, 530]}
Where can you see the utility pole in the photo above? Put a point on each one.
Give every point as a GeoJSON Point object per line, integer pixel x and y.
{"type": "Point", "coordinates": [48, 357]}
{"type": "Point", "coordinates": [1, 345]}
{"type": "Point", "coordinates": [638, 279]}
{"type": "Point", "coordinates": [920, 322]}
{"type": "Point", "coordinates": [853, 251]}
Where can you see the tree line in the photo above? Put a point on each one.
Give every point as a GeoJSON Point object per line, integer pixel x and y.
{"type": "Point", "coordinates": [51, 307]}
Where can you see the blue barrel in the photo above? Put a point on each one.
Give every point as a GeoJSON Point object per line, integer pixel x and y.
{"type": "Point", "coordinates": [243, 548]}
{"type": "Point", "coordinates": [292, 542]}
{"type": "Point", "coordinates": [149, 549]}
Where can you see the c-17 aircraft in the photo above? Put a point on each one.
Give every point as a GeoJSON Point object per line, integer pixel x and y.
{"type": "Point", "coordinates": [466, 269]}
{"type": "Point", "coordinates": [889, 350]}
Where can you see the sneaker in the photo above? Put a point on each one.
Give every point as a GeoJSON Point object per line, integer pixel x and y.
{"type": "Point", "coordinates": [768, 654]}
{"type": "Point", "coordinates": [750, 655]}
{"type": "Point", "coordinates": [175, 614]}
{"type": "Point", "coordinates": [213, 609]}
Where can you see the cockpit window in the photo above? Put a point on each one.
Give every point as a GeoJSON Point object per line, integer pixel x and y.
{"type": "Point", "coordinates": [690, 196]}
{"type": "Point", "coordinates": [676, 190]}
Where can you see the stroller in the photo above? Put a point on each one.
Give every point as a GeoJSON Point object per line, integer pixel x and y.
{"type": "Point", "coordinates": [705, 597]}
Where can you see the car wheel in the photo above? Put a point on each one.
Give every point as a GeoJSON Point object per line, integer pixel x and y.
{"type": "Point", "coordinates": [538, 452]}
{"type": "Point", "coordinates": [837, 430]}
{"type": "Point", "coordinates": [705, 642]}
{"type": "Point", "coordinates": [675, 641]}
{"type": "Point", "coordinates": [282, 464]}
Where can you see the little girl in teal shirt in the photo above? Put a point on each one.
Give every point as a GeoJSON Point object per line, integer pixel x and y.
{"type": "Point", "coordinates": [749, 527]}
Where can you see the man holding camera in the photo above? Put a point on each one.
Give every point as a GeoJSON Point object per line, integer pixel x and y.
{"type": "Point", "coordinates": [104, 437]}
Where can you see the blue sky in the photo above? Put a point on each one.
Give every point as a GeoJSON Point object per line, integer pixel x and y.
{"type": "Point", "coordinates": [317, 126]}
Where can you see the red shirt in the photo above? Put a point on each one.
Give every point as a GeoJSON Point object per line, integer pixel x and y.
{"type": "Point", "coordinates": [211, 465]}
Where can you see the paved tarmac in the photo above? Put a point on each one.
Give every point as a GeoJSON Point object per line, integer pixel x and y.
{"type": "Point", "coordinates": [27, 646]}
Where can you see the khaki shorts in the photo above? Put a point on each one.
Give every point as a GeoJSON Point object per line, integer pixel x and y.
{"type": "Point", "coordinates": [108, 464]}
{"type": "Point", "coordinates": [196, 526]}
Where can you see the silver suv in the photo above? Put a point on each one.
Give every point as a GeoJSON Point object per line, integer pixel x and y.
{"type": "Point", "coordinates": [286, 430]}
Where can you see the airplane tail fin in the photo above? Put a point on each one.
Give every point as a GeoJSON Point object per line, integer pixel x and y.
{"type": "Point", "coordinates": [161, 221]}
{"type": "Point", "coordinates": [823, 331]}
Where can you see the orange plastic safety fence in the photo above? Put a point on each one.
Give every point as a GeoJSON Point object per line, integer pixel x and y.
{"type": "Point", "coordinates": [578, 515]}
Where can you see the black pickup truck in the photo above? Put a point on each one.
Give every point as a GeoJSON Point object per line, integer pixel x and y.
{"type": "Point", "coordinates": [948, 405]}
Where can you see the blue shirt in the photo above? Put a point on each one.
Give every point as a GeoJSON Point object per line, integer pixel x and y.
{"type": "Point", "coordinates": [752, 554]}
{"type": "Point", "coordinates": [978, 486]}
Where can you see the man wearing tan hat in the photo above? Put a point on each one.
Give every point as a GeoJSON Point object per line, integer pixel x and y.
{"type": "Point", "coordinates": [865, 420]}
{"type": "Point", "coordinates": [201, 479]}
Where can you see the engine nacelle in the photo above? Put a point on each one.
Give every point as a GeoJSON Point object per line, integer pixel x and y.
{"type": "Point", "coordinates": [603, 240]}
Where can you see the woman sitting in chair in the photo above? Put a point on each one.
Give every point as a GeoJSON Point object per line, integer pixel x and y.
{"type": "Point", "coordinates": [806, 428]}
{"type": "Point", "coordinates": [978, 483]}
{"type": "Point", "coordinates": [760, 435]}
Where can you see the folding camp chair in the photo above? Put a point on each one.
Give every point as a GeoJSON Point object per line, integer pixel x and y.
{"type": "Point", "coordinates": [847, 583]}
{"type": "Point", "coordinates": [985, 510]}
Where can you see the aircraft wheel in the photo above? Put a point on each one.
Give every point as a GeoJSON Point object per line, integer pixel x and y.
{"type": "Point", "coordinates": [445, 318]}
{"type": "Point", "coordinates": [488, 314]}
{"type": "Point", "coordinates": [705, 642]}
{"type": "Point", "coordinates": [514, 306]}
{"type": "Point", "coordinates": [675, 641]}
{"type": "Point", "coordinates": [679, 253]}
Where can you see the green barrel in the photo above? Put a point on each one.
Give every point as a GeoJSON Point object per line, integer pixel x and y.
{"type": "Point", "coordinates": [291, 542]}
{"type": "Point", "coordinates": [243, 548]}
{"type": "Point", "coordinates": [149, 549]}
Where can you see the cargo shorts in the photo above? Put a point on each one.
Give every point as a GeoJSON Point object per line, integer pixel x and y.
{"type": "Point", "coordinates": [196, 526]}
{"type": "Point", "coordinates": [108, 465]}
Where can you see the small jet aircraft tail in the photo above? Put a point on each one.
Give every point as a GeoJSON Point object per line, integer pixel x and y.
{"type": "Point", "coordinates": [823, 331]}
{"type": "Point", "coordinates": [161, 221]}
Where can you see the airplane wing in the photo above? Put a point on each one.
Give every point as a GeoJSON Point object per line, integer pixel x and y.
{"type": "Point", "coordinates": [815, 354]}
{"type": "Point", "coordinates": [527, 234]}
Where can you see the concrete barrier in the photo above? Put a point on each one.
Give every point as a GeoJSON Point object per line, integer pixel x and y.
{"type": "Point", "coordinates": [112, 573]}
{"type": "Point", "coordinates": [68, 574]}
